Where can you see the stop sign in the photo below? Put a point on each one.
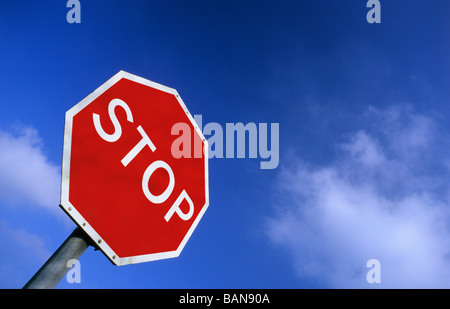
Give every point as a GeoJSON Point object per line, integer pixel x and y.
{"type": "Point", "coordinates": [121, 183]}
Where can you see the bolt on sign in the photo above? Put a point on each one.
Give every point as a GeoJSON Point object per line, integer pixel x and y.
{"type": "Point", "coordinates": [120, 182]}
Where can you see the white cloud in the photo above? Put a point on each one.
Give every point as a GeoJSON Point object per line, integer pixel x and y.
{"type": "Point", "coordinates": [26, 175]}
{"type": "Point", "coordinates": [28, 180]}
{"type": "Point", "coordinates": [383, 198]}
{"type": "Point", "coordinates": [364, 149]}
{"type": "Point", "coordinates": [22, 253]}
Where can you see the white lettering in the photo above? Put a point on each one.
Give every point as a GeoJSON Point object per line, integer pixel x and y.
{"type": "Point", "coordinates": [117, 128]}
{"type": "Point", "coordinates": [145, 141]}
{"type": "Point", "coordinates": [184, 141]}
{"type": "Point", "coordinates": [158, 199]}
{"type": "Point", "coordinates": [199, 299]}
{"type": "Point", "coordinates": [245, 298]}
{"type": "Point", "coordinates": [176, 207]}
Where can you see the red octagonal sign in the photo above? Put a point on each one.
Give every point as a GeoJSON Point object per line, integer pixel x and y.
{"type": "Point", "coordinates": [123, 181]}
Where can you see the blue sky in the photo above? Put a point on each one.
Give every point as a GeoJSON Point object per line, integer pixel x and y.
{"type": "Point", "coordinates": [363, 114]}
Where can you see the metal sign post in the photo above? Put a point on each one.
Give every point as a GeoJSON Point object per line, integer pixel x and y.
{"type": "Point", "coordinates": [49, 275]}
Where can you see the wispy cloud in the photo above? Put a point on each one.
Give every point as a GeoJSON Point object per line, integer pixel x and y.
{"type": "Point", "coordinates": [26, 175]}
{"type": "Point", "coordinates": [21, 252]}
{"type": "Point", "coordinates": [384, 197]}
{"type": "Point", "coordinates": [28, 180]}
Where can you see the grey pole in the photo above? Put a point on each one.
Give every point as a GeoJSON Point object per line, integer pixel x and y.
{"type": "Point", "coordinates": [55, 268]}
